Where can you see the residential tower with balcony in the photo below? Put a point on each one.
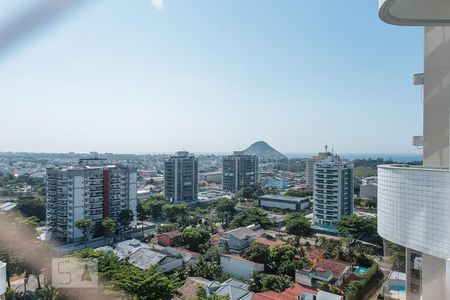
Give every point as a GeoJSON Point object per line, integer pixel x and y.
{"type": "Point", "coordinates": [93, 189]}
{"type": "Point", "coordinates": [333, 191]}
{"type": "Point", "coordinates": [181, 178]}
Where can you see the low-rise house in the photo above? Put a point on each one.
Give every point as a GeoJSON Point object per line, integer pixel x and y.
{"type": "Point", "coordinates": [125, 248]}
{"type": "Point", "coordinates": [189, 289]}
{"type": "Point", "coordinates": [214, 240]}
{"type": "Point", "coordinates": [234, 289]}
{"type": "Point", "coordinates": [239, 267]}
{"type": "Point", "coordinates": [313, 255]}
{"type": "Point", "coordinates": [237, 240]}
{"type": "Point", "coordinates": [296, 291]}
{"type": "Point", "coordinates": [186, 255]}
{"type": "Point", "coordinates": [145, 258]}
{"type": "Point", "coordinates": [269, 242]}
{"type": "Point", "coordinates": [283, 202]}
{"type": "Point", "coordinates": [168, 239]}
{"type": "Point", "coordinates": [322, 295]}
{"type": "Point", "coordinates": [277, 220]}
{"type": "Point", "coordinates": [330, 271]}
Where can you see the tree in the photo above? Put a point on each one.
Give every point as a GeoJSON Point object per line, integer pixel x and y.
{"type": "Point", "coordinates": [249, 216]}
{"type": "Point", "coordinates": [167, 228]}
{"type": "Point", "coordinates": [257, 252]}
{"type": "Point", "coordinates": [247, 193]}
{"type": "Point", "coordinates": [358, 201]}
{"type": "Point", "coordinates": [125, 218]}
{"type": "Point", "coordinates": [205, 269]}
{"type": "Point", "coordinates": [142, 212]}
{"type": "Point", "coordinates": [304, 192]}
{"type": "Point", "coordinates": [109, 226]}
{"type": "Point", "coordinates": [288, 268]}
{"type": "Point", "coordinates": [332, 247]}
{"type": "Point", "coordinates": [13, 264]}
{"type": "Point", "coordinates": [398, 256]}
{"type": "Point", "coordinates": [145, 285]}
{"type": "Point", "coordinates": [371, 203]}
{"type": "Point", "coordinates": [282, 253]}
{"type": "Point", "coordinates": [32, 208]}
{"type": "Point", "coordinates": [282, 260]}
{"type": "Point", "coordinates": [268, 282]}
{"type": "Point", "coordinates": [356, 227]}
{"type": "Point", "coordinates": [298, 225]}
{"type": "Point", "coordinates": [200, 294]}
{"type": "Point", "coordinates": [49, 292]}
{"type": "Point", "coordinates": [196, 238]}
{"type": "Point", "coordinates": [35, 260]}
{"type": "Point", "coordinates": [84, 225]}
{"type": "Point", "coordinates": [154, 206]}
{"type": "Point", "coordinates": [226, 209]}
{"type": "Point", "coordinates": [176, 213]}
{"type": "Point", "coordinates": [213, 254]}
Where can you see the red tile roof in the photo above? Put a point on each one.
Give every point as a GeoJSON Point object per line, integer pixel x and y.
{"type": "Point", "coordinates": [337, 267]}
{"type": "Point", "coordinates": [314, 253]}
{"type": "Point", "coordinates": [189, 289]}
{"type": "Point", "coordinates": [171, 234]}
{"type": "Point", "coordinates": [215, 239]}
{"type": "Point", "coordinates": [269, 243]}
{"type": "Point", "coordinates": [291, 293]}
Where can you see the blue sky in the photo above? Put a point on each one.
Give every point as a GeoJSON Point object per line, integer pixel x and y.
{"type": "Point", "coordinates": [213, 76]}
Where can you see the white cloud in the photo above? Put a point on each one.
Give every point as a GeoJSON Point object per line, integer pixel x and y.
{"type": "Point", "coordinates": [158, 4]}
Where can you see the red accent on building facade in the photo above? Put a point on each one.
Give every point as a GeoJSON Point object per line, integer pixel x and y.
{"type": "Point", "coordinates": [105, 193]}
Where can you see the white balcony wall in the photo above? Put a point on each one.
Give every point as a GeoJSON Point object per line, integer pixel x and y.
{"type": "Point", "coordinates": [414, 208]}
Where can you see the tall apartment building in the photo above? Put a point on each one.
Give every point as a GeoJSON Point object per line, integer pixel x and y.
{"type": "Point", "coordinates": [309, 166]}
{"type": "Point", "coordinates": [333, 191]}
{"type": "Point", "coordinates": [239, 170]}
{"type": "Point", "coordinates": [414, 201]}
{"type": "Point", "coordinates": [93, 189]}
{"type": "Point", "coordinates": [181, 177]}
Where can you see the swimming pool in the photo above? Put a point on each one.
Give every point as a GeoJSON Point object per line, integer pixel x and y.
{"type": "Point", "coordinates": [360, 271]}
{"type": "Point", "coordinates": [397, 288]}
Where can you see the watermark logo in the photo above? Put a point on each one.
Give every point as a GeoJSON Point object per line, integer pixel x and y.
{"type": "Point", "coordinates": [75, 272]}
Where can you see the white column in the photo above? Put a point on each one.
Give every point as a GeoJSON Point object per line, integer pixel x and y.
{"type": "Point", "coordinates": [436, 97]}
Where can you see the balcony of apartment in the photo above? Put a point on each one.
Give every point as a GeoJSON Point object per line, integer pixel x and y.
{"type": "Point", "coordinates": [414, 208]}
{"type": "Point", "coordinates": [419, 12]}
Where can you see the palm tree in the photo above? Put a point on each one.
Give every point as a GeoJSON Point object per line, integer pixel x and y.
{"type": "Point", "coordinates": [125, 219]}
{"type": "Point", "coordinates": [84, 225]}
{"type": "Point", "coordinates": [109, 225]}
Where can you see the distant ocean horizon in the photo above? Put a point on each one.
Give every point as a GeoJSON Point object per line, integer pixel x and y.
{"type": "Point", "coordinates": [396, 157]}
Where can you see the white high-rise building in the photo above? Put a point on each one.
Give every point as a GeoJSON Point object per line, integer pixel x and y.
{"type": "Point", "coordinates": [93, 189]}
{"type": "Point", "coordinates": [333, 191]}
{"type": "Point", "coordinates": [414, 201]}
{"type": "Point", "coordinates": [181, 178]}
{"type": "Point", "coordinates": [309, 166]}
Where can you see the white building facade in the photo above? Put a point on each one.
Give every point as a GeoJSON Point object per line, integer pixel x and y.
{"type": "Point", "coordinates": [414, 201]}
{"type": "Point", "coordinates": [94, 189]}
{"type": "Point", "coordinates": [333, 191]}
